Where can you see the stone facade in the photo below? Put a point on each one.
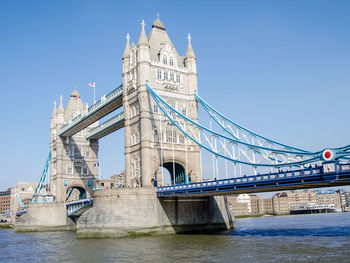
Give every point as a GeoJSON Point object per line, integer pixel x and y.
{"type": "Point", "coordinates": [137, 211]}
{"type": "Point", "coordinates": [150, 140]}
{"type": "Point", "coordinates": [72, 158]}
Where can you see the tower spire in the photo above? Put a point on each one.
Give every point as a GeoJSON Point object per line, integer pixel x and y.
{"type": "Point", "coordinates": [143, 38]}
{"type": "Point", "coordinates": [60, 107]}
{"type": "Point", "coordinates": [189, 52]}
{"type": "Point", "coordinates": [127, 46]}
{"type": "Point", "coordinates": [54, 108]}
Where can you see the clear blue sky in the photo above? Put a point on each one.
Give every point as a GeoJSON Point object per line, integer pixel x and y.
{"type": "Point", "coordinates": [280, 68]}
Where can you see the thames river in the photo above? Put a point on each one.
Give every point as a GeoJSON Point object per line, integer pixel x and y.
{"type": "Point", "coordinates": [299, 238]}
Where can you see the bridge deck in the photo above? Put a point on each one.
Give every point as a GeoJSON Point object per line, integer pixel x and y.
{"type": "Point", "coordinates": [76, 208]}
{"type": "Point", "coordinates": [101, 108]}
{"type": "Point", "coordinates": [113, 124]}
{"type": "Point", "coordinates": [299, 179]}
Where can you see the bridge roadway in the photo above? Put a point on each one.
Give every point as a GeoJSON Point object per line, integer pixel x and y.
{"type": "Point", "coordinates": [328, 175]}
{"type": "Point", "coordinates": [101, 108]}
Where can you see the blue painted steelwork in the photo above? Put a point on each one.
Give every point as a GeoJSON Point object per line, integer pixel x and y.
{"type": "Point", "coordinates": [42, 180]}
{"type": "Point", "coordinates": [93, 109]}
{"type": "Point", "coordinates": [23, 209]}
{"type": "Point", "coordinates": [291, 155]}
{"type": "Point", "coordinates": [74, 206]}
{"type": "Point", "coordinates": [209, 108]}
{"type": "Point", "coordinates": [329, 172]}
{"type": "Point", "coordinates": [340, 152]}
{"type": "Point", "coordinates": [315, 156]}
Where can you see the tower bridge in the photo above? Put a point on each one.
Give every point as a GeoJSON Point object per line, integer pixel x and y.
{"type": "Point", "coordinates": [160, 101]}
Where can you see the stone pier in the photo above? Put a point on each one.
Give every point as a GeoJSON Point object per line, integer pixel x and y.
{"type": "Point", "coordinates": [138, 211]}
{"type": "Point", "coordinates": [44, 217]}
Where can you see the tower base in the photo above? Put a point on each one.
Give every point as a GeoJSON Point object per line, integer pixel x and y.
{"type": "Point", "coordinates": [44, 217]}
{"type": "Point", "coordinates": [138, 211]}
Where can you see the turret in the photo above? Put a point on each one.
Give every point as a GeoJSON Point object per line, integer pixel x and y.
{"type": "Point", "coordinates": [190, 58]}
{"type": "Point", "coordinates": [143, 55]}
{"type": "Point", "coordinates": [190, 64]}
{"type": "Point", "coordinates": [60, 112]}
{"type": "Point", "coordinates": [126, 55]}
{"type": "Point", "coordinates": [54, 113]}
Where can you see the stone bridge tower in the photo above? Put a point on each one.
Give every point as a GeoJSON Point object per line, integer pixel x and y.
{"type": "Point", "coordinates": [150, 140]}
{"type": "Point", "coordinates": [73, 158]}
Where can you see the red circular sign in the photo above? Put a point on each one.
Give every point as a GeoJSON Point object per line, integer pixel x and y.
{"type": "Point", "coordinates": [327, 154]}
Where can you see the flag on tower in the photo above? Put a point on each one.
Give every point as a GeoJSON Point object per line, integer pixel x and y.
{"type": "Point", "coordinates": [92, 84]}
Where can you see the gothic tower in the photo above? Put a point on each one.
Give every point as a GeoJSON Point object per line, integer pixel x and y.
{"type": "Point", "coordinates": [73, 158]}
{"type": "Point", "coordinates": [150, 140]}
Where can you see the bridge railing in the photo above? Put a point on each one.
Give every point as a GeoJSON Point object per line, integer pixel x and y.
{"type": "Point", "coordinates": [74, 206]}
{"type": "Point", "coordinates": [93, 108]}
{"type": "Point", "coordinates": [303, 173]}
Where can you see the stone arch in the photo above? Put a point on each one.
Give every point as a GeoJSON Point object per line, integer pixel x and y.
{"type": "Point", "coordinates": [77, 191]}
{"type": "Point", "coordinates": [178, 167]}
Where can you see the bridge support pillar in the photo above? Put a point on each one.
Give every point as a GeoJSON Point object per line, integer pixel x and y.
{"type": "Point", "coordinates": [44, 217]}
{"type": "Point", "coordinates": [138, 211]}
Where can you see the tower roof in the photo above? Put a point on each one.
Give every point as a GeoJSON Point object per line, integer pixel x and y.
{"type": "Point", "coordinates": [158, 24]}
{"type": "Point", "coordinates": [60, 106]}
{"type": "Point", "coordinates": [75, 93]}
{"type": "Point", "coordinates": [158, 38]}
{"type": "Point", "coordinates": [127, 47]}
{"type": "Point", "coordinates": [74, 106]}
{"type": "Point", "coordinates": [189, 51]}
{"type": "Point", "coordinates": [143, 38]}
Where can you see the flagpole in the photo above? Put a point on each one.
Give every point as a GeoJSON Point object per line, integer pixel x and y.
{"type": "Point", "coordinates": [94, 95]}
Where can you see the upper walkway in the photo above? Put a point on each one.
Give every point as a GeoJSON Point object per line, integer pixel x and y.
{"type": "Point", "coordinates": [101, 108]}
{"type": "Point", "coordinates": [327, 175]}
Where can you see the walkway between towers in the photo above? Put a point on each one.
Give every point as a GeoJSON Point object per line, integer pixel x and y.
{"type": "Point", "coordinates": [101, 108]}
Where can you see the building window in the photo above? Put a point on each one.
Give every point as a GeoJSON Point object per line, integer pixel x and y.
{"type": "Point", "coordinates": [76, 152]}
{"type": "Point", "coordinates": [165, 60]}
{"type": "Point", "coordinates": [155, 108]}
{"type": "Point", "coordinates": [87, 153]}
{"type": "Point", "coordinates": [168, 135]}
{"type": "Point", "coordinates": [181, 138]}
{"type": "Point", "coordinates": [178, 78]}
{"type": "Point", "coordinates": [69, 168]}
{"type": "Point", "coordinates": [156, 136]}
{"type": "Point", "coordinates": [78, 169]}
{"type": "Point", "coordinates": [184, 111]}
{"type": "Point", "coordinates": [172, 76]}
{"type": "Point", "coordinates": [166, 75]}
{"type": "Point", "coordinates": [159, 74]}
{"type": "Point", "coordinates": [85, 170]}
{"type": "Point", "coordinates": [171, 62]}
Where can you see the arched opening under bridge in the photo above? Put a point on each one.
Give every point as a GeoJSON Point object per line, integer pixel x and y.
{"type": "Point", "coordinates": [176, 172]}
{"type": "Point", "coordinates": [75, 193]}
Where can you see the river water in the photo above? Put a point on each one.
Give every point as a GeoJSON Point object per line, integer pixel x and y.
{"type": "Point", "coordinates": [298, 238]}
